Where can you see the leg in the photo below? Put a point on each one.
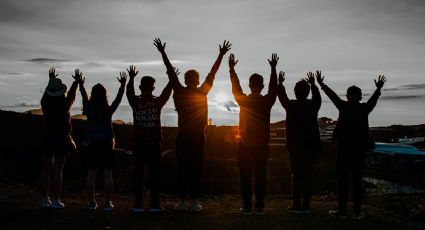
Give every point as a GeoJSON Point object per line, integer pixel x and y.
{"type": "Point", "coordinates": [306, 182]}
{"type": "Point", "coordinates": [296, 181]}
{"type": "Point", "coordinates": [182, 165]}
{"type": "Point", "coordinates": [46, 168]}
{"type": "Point", "coordinates": [139, 163]}
{"type": "Point", "coordinates": [245, 175]}
{"type": "Point", "coordinates": [91, 183]}
{"type": "Point", "coordinates": [343, 172]}
{"type": "Point", "coordinates": [261, 155]}
{"type": "Point", "coordinates": [197, 162]}
{"type": "Point", "coordinates": [153, 163]}
{"type": "Point", "coordinates": [108, 184]}
{"type": "Point", "coordinates": [58, 164]}
{"type": "Point", "coordinates": [357, 175]}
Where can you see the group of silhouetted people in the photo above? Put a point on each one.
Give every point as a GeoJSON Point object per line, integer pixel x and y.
{"type": "Point", "coordinates": [302, 135]}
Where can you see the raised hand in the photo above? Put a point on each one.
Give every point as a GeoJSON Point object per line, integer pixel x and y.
{"type": "Point", "coordinates": [132, 72]}
{"type": "Point", "coordinates": [310, 78]}
{"type": "Point", "coordinates": [52, 72]}
{"type": "Point", "coordinates": [381, 81]}
{"type": "Point", "coordinates": [232, 61]}
{"type": "Point", "coordinates": [123, 78]}
{"type": "Point", "coordinates": [78, 77]}
{"type": "Point", "coordinates": [158, 44]}
{"type": "Point", "coordinates": [319, 77]}
{"type": "Point", "coordinates": [226, 47]}
{"type": "Point", "coordinates": [281, 77]}
{"type": "Point", "coordinates": [273, 62]}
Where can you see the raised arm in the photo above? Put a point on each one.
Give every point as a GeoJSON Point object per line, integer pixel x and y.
{"type": "Point", "coordinates": [70, 96]}
{"type": "Point", "coordinates": [281, 91]}
{"type": "Point", "coordinates": [209, 80]}
{"type": "Point", "coordinates": [273, 78]}
{"type": "Point", "coordinates": [122, 80]}
{"type": "Point", "coordinates": [165, 94]}
{"type": "Point", "coordinates": [315, 94]}
{"type": "Point", "coordinates": [236, 86]}
{"type": "Point", "coordinates": [80, 80]}
{"type": "Point", "coordinates": [373, 100]}
{"type": "Point", "coordinates": [175, 83]}
{"type": "Point", "coordinates": [336, 100]}
{"type": "Point", "coordinates": [52, 74]}
{"type": "Point", "coordinates": [131, 95]}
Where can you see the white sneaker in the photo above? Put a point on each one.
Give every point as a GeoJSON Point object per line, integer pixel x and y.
{"type": "Point", "coordinates": [180, 206]}
{"type": "Point", "coordinates": [358, 216]}
{"type": "Point", "coordinates": [45, 202]}
{"type": "Point", "coordinates": [57, 204]}
{"type": "Point", "coordinates": [92, 205]}
{"type": "Point", "coordinates": [196, 207]}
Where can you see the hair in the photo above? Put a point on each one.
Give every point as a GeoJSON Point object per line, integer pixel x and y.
{"type": "Point", "coordinates": [191, 77]}
{"type": "Point", "coordinates": [147, 83]}
{"type": "Point", "coordinates": [256, 80]}
{"type": "Point", "coordinates": [302, 89]}
{"type": "Point", "coordinates": [98, 102]}
{"type": "Point", "coordinates": [354, 93]}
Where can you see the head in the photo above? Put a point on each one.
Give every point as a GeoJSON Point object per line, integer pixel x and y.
{"type": "Point", "coordinates": [302, 89]}
{"type": "Point", "coordinates": [147, 85]}
{"type": "Point", "coordinates": [56, 88]}
{"type": "Point", "coordinates": [256, 83]}
{"type": "Point", "coordinates": [191, 78]}
{"type": "Point", "coordinates": [354, 94]}
{"type": "Point", "coordinates": [99, 100]}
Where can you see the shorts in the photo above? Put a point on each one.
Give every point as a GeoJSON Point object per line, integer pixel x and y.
{"type": "Point", "coordinates": [101, 155]}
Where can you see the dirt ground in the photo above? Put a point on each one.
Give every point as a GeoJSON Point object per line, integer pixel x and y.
{"type": "Point", "coordinates": [20, 210]}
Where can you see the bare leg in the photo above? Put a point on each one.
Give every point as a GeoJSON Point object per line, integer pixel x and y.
{"type": "Point", "coordinates": [91, 184]}
{"type": "Point", "coordinates": [58, 164]}
{"type": "Point", "coordinates": [46, 168]}
{"type": "Point", "coordinates": [108, 183]}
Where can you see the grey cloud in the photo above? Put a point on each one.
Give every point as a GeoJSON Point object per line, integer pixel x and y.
{"type": "Point", "coordinates": [406, 87]}
{"type": "Point", "coordinates": [46, 60]}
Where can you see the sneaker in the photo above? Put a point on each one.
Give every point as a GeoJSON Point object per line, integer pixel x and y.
{"type": "Point", "coordinates": [260, 211]}
{"type": "Point", "coordinates": [247, 211]}
{"type": "Point", "coordinates": [57, 204]}
{"type": "Point", "coordinates": [156, 209]}
{"type": "Point", "coordinates": [338, 214]}
{"type": "Point", "coordinates": [294, 210]}
{"type": "Point", "coordinates": [45, 202]}
{"type": "Point", "coordinates": [358, 216]}
{"type": "Point", "coordinates": [137, 210]}
{"type": "Point", "coordinates": [108, 206]}
{"type": "Point", "coordinates": [196, 207]}
{"type": "Point", "coordinates": [92, 205]}
{"type": "Point", "coordinates": [180, 206]}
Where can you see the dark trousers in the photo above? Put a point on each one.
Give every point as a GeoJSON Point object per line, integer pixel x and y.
{"type": "Point", "coordinates": [253, 161]}
{"type": "Point", "coordinates": [190, 149]}
{"type": "Point", "coordinates": [350, 161]}
{"type": "Point", "coordinates": [301, 167]}
{"type": "Point", "coordinates": [149, 154]}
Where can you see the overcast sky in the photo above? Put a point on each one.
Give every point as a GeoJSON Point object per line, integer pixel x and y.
{"type": "Point", "coordinates": [352, 42]}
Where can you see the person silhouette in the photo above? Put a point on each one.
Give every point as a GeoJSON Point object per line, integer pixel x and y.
{"type": "Point", "coordinates": [56, 136]}
{"type": "Point", "coordinates": [147, 137]}
{"type": "Point", "coordinates": [352, 136]}
{"type": "Point", "coordinates": [192, 109]}
{"type": "Point", "coordinates": [302, 137]}
{"type": "Point", "coordinates": [254, 131]}
{"type": "Point", "coordinates": [101, 137]}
